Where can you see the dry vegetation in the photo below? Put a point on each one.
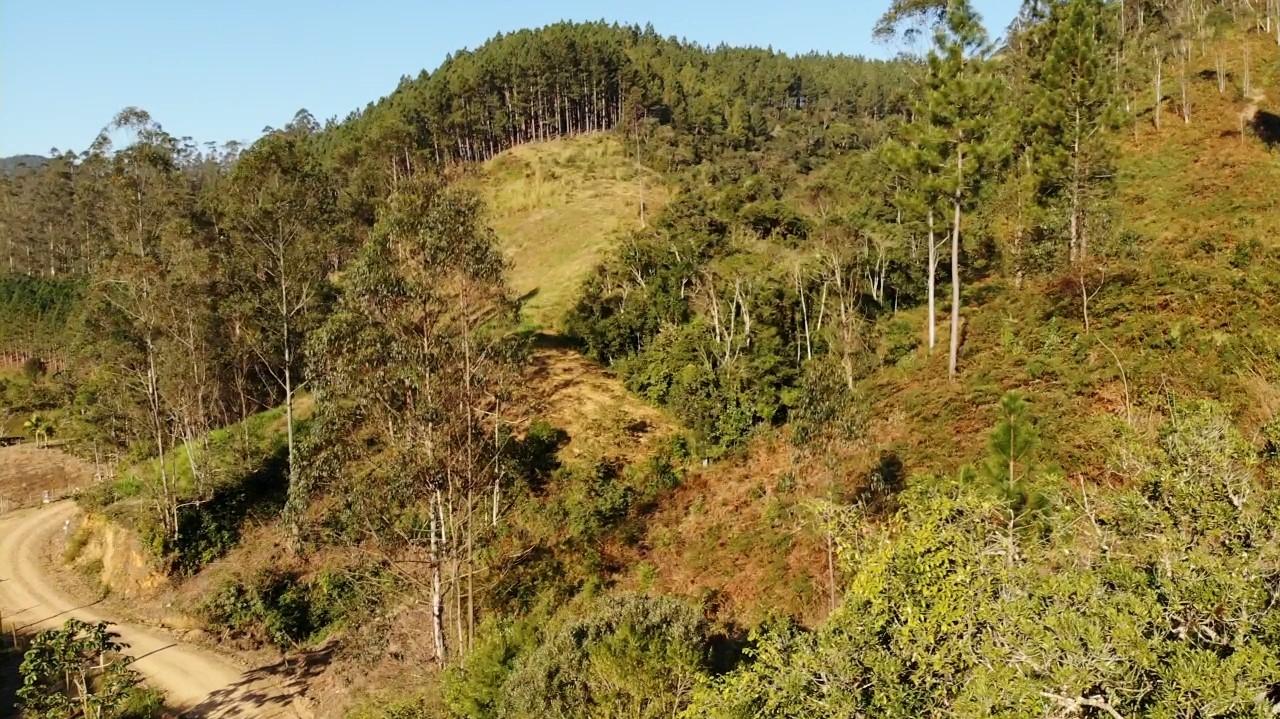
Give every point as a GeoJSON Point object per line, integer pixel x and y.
{"type": "Point", "coordinates": [26, 473]}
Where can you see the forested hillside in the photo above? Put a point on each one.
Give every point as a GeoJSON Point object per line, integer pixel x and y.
{"type": "Point", "coordinates": [602, 374]}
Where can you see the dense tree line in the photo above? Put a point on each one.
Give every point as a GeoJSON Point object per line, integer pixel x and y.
{"type": "Point", "coordinates": [570, 78]}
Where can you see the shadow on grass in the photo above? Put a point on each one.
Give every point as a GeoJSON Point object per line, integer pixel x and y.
{"type": "Point", "coordinates": [1267, 126]}
{"type": "Point", "coordinates": [208, 530]}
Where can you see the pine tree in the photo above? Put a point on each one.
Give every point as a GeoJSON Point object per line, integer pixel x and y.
{"type": "Point", "coordinates": [958, 98]}
{"type": "Point", "coordinates": [916, 159]}
{"type": "Point", "coordinates": [1074, 111]}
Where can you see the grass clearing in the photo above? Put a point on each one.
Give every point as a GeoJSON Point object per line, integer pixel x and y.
{"type": "Point", "coordinates": [557, 207]}
{"type": "Point", "coordinates": [259, 435]}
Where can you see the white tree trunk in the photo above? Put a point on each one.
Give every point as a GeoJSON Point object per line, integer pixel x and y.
{"type": "Point", "coordinates": [933, 284]}
{"type": "Point", "coordinates": [955, 268]}
{"type": "Point", "coordinates": [955, 292]}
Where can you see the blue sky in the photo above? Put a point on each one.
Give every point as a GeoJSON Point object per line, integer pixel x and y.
{"type": "Point", "coordinates": [221, 70]}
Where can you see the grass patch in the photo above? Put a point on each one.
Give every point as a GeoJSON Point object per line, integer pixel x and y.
{"type": "Point", "coordinates": [557, 207]}
{"type": "Point", "coordinates": [216, 458]}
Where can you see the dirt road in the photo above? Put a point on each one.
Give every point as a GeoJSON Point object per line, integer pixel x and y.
{"type": "Point", "coordinates": [197, 682]}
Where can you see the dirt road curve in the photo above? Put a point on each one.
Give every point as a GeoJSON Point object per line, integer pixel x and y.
{"type": "Point", "coordinates": [198, 682]}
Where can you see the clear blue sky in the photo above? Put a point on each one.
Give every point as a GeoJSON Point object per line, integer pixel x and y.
{"type": "Point", "coordinates": [220, 70]}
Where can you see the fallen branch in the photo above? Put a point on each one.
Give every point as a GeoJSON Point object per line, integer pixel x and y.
{"type": "Point", "coordinates": [1078, 703]}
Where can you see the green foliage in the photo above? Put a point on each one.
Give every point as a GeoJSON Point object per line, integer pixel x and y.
{"type": "Point", "coordinates": [722, 400]}
{"type": "Point", "coordinates": [1073, 109]}
{"type": "Point", "coordinates": [279, 607]}
{"type": "Point", "coordinates": [775, 219]}
{"type": "Point", "coordinates": [242, 477]}
{"type": "Point", "coordinates": [34, 368]}
{"type": "Point", "coordinates": [143, 703]}
{"type": "Point", "coordinates": [1271, 438]}
{"type": "Point", "coordinates": [1011, 442]}
{"type": "Point", "coordinates": [1009, 466]}
{"type": "Point", "coordinates": [1143, 600]}
{"type": "Point", "coordinates": [40, 428]}
{"type": "Point", "coordinates": [473, 689]}
{"type": "Point", "coordinates": [709, 333]}
{"type": "Point", "coordinates": [601, 496]}
{"type": "Point", "coordinates": [79, 671]}
{"type": "Point", "coordinates": [824, 407]}
{"type": "Point", "coordinates": [208, 530]}
{"type": "Point", "coordinates": [625, 657]}
{"type": "Point", "coordinates": [689, 100]}
{"type": "Point", "coordinates": [901, 340]}
{"type": "Point", "coordinates": [37, 312]}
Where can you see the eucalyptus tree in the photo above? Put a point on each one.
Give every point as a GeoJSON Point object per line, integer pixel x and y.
{"type": "Point", "coordinates": [129, 315]}
{"type": "Point", "coordinates": [418, 361]}
{"type": "Point", "coordinates": [279, 207]}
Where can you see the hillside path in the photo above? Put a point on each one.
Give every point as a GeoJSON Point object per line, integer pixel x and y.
{"type": "Point", "coordinates": [197, 682]}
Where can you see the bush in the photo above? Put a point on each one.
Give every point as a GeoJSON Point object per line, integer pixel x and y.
{"type": "Point", "coordinates": [901, 340]}
{"type": "Point", "coordinates": [631, 656]}
{"type": "Point", "coordinates": [60, 662]}
{"type": "Point", "coordinates": [824, 407]}
{"type": "Point", "coordinates": [473, 687]}
{"type": "Point", "coordinates": [33, 369]}
{"type": "Point", "coordinates": [721, 402]}
{"type": "Point", "coordinates": [278, 607]}
{"type": "Point", "coordinates": [209, 530]}
{"type": "Point", "coordinates": [143, 703]}
{"type": "Point", "coordinates": [1271, 438]}
{"type": "Point", "coordinates": [774, 218]}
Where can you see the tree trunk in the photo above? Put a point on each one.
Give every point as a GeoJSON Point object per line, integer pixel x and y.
{"type": "Point", "coordinates": [292, 508]}
{"type": "Point", "coordinates": [1159, 92]}
{"type": "Point", "coordinates": [1076, 251]}
{"type": "Point", "coordinates": [933, 284]}
{"type": "Point", "coordinates": [437, 593]}
{"type": "Point", "coordinates": [955, 270]}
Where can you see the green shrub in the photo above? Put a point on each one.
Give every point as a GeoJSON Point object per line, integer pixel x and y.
{"type": "Point", "coordinates": [901, 340]}
{"type": "Point", "coordinates": [774, 218]}
{"type": "Point", "coordinates": [472, 688]}
{"type": "Point", "coordinates": [632, 657]}
{"type": "Point", "coordinates": [33, 369]}
{"type": "Point", "coordinates": [75, 666]}
{"type": "Point", "coordinates": [824, 406]}
{"type": "Point", "coordinates": [143, 703]}
{"type": "Point", "coordinates": [1271, 438]}
{"type": "Point", "coordinates": [278, 607]}
{"type": "Point", "coordinates": [210, 529]}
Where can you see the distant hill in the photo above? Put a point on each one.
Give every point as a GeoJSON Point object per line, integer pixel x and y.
{"type": "Point", "coordinates": [10, 164]}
